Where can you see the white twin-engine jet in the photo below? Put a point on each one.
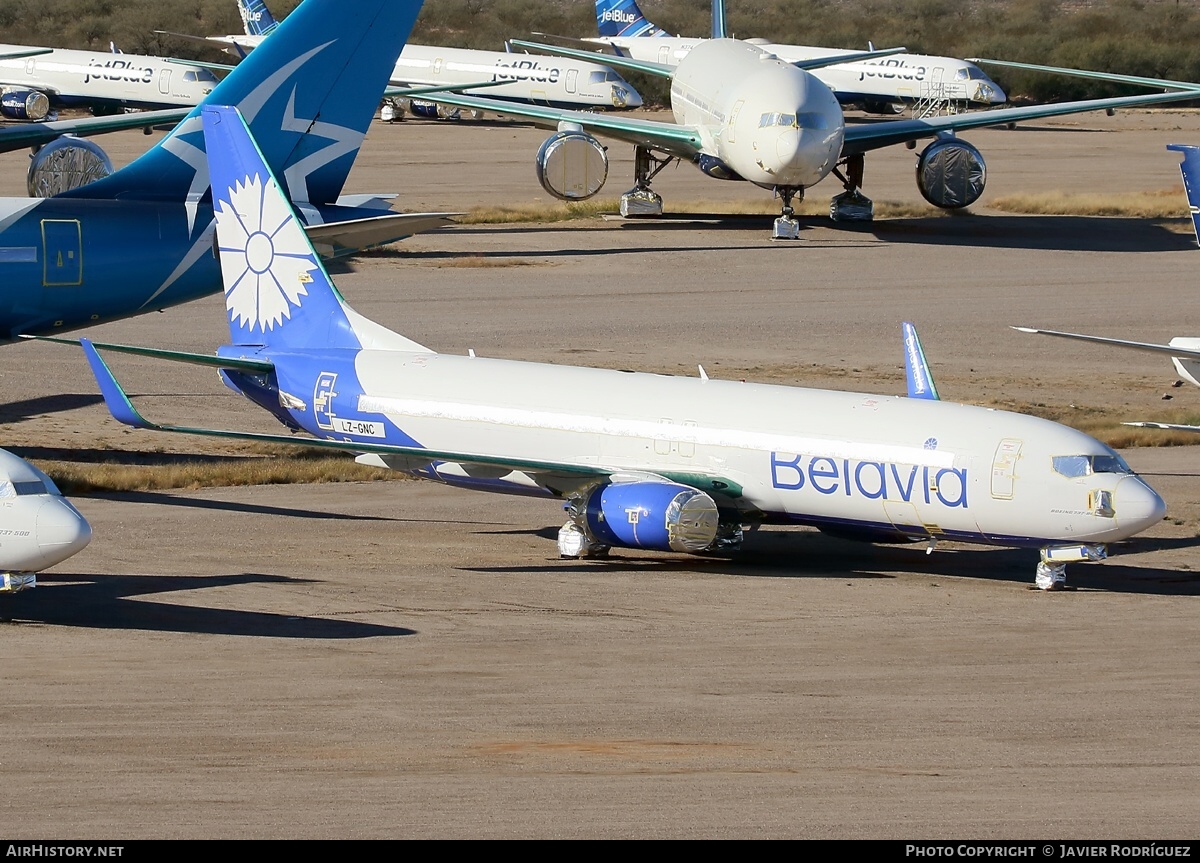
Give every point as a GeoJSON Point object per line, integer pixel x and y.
{"type": "Point", "coordinates": [38, 526]}
{"type": "Point", "coordinates": [36, 81]}
{"type": "Point", "coordinates": [881, 85]}
{"type": "Point", "coordinates": [656, 462]}
{"type": "Point", "coordinates": [557, 81]}
{"type": "Point", "coordinates": [741, 113]}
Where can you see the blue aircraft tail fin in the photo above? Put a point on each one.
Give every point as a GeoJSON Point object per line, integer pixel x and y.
{"type": "Point", "coordinates": [1190, 168]}
{"type": "Point", "coordinates": [256, 17]}
{"type": "Point", "coordinates": [718, 19]}
{"type": "Point", "coordinates": [916, 368]}
{"type": "Point", "coordinates": [276, 290]}
{"type": "Point", "coordinates": [623, 18]}
{"type": "Point", "coordinates": [308, 95]}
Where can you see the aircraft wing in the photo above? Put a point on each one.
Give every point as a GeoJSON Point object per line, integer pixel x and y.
{"type": "Point", "coordinates": [660, 69]}
{"type": "Point", "coordinates": [681, 141]}
{"type": "Point", "coordinates": [1169, 350]}
{"type": "Point", "coordinates": [839, 59]}
{"type": "Point", "coordinates": [122, 409]}
{"type": "Point", "coordinates": [35, 134]}
{"type": "Point", "coordinates": [1099, 76]}
{"type": "Point", "coordinates": [861, 139]}
{"type": "Point", "coordinates": [1165, 426]}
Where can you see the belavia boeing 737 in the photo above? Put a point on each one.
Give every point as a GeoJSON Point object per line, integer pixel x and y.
{"type": "Point", "coordinates": [731, 453]}
{"type": "Point", "coordinates": [141, 239]}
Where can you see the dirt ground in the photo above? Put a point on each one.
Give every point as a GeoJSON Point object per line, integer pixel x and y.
{"type": "Point", "coordinates": [403, 660]}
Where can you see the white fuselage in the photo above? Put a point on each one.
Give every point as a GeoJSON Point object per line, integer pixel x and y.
{"type": "Point", "coordinates": [771, 123]}
{"type": "Point", "coordinates": [899, 79]}
{"type": "Point", "coordinates": [91, 78]}
{"type": "Point", "coordinates": [532, 78]}
{"type": "Point", "coordinates": [38, 526]}
{"type": "Point", "coordinates": [830, 459]}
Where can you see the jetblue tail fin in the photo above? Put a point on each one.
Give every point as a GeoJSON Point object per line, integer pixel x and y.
{"type": "Point", "coordinates": [916, 367]}
{"type": "Point", "coordinates": [256, 17]}
{"type": "Point", "coordinates": [1190, 168]}
{"type": "Point", "coordinates": [718, 19]}
{"type": "Point", "coordinates": [308, 95]}
{"type": "Point", "coordinates": [269, 268]}
{"type": "Point", "coordinates": [623, 18]}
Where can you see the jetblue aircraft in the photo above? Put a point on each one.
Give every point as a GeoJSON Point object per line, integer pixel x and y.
{"type": "Point", "coordinates": [141, 239]}
{"type": "Point", "coordinates": [880, 85]}
{"type": "Point", "coordinates": [561, 82]}
{"type": "Point", "coordinates": [1184, 351]}
{"type": "Point", "coordinates": [54, 78]}
{"type": "Point", "coordinates": [741, 113]}
{"type": "Point", "coordinates": [668, 463]}
{"type": "Point", "coordinates": [38, 526]}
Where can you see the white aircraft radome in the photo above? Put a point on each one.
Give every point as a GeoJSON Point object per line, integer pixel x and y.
{"type": "Point", "coordinates": [880, 85]}
{"type": "Point", "coordinates": [651, 461]}
{"type": "Point", "coordinates": [38, 526]}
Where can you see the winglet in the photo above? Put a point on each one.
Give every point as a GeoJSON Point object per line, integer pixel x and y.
{"type": "Point", "coordinates": [916, 368]}
{"type": "Point", "coordinates": [115, 400]}
{"type": "Point", "coordinates": [1190, 169]}
{"type": "Point", "coordinates": [718, 20]}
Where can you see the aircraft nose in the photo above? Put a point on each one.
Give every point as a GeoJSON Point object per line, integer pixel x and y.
{"type": "Point", "coordinates": [1137, 505]}
{"type": "Point", "coordinates": [61, 530]}
{"type": "Point", "coordinates": [623, 97]}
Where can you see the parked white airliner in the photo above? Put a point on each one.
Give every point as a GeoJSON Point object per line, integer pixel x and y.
{"type": "Point", "coordinates": [38, 526]}
{"type": "Point", "coordinates": [33, 86]}
{"type": "Point", "coordinates": [881, 85]}
{"type": "Point", "coordinates": [741, 113]}
{"type": "Point", "coordinates": [538, 80]}
{"type": "Point", "coordinates": [648, 461]}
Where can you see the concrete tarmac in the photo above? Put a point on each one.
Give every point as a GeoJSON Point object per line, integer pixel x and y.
{"type": "Point", "coordinates": [404, 660]}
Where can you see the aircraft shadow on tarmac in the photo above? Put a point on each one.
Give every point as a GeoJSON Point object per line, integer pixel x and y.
{"type": "Point", "coordinates": [15, 412]}
{"type": "Point", "coordinates": [106, 602]}
{"type": "Point", "coordinates": [810, 554]}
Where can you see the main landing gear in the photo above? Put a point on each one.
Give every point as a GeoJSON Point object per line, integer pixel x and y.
{"type": "Point", "coordinates": [852, 205]}
{"type": "Point", "coordinates": [640, 200]}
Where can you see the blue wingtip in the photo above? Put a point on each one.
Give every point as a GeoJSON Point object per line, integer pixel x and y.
{"type": "Point", "coordinates": [916, 368]}
{"type": "Point", "coordinates": [115, 400]}
{"type": "Point", "coordinates": [1190, 169]}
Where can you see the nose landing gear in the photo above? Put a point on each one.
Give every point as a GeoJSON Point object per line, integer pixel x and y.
{"type": "Point", "coordinates": [786, 227]}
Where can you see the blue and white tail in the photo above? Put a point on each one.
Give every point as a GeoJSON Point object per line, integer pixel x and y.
{"type": "Point", "coordinates": [718, 20]}
{"type": "Point", "coordinates": [624, 18]}
{"type": "Point", "coordinates": [308, 94]}
{"type": "Point", "coordinates": [1190, 168]}
{"type": "Point", "coordinates": [277, 292]}
{"type": "Point", "coordinates": [257, 19]}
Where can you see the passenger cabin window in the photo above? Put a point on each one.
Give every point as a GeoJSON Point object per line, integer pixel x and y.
{"type": "Point", "coordinates": [1073, 466]}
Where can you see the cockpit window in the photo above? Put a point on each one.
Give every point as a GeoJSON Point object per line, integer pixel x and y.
{"type": "Point", "coordinates": [776, 119]}
{"type": "Point", "coordinates": [601, 77]}
{"type": "Point", "coordinates": [8, 488]}
{"type": "Point", "coordinates": [961, 74]}
{"type": "Point", "coordinates": [976, 74]}
{"type": "Point", "coordinates": [1073, 466]}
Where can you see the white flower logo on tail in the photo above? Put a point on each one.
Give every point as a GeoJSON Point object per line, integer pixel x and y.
{"type": "Point", "coordinates": [265, 257]}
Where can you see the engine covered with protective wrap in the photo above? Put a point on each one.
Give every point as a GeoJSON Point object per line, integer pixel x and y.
{"type": "Point", "coordinates": [572, 166]}
{"type": "Point", "coordinates": [66, 163]}
{"type": "Point", "coordinates": [664, 516]}
{"type": "Point", "coordinates": [951, 173]}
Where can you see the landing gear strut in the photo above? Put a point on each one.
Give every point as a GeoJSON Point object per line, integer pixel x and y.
{"type": "Point", "coordinates": [852, 205]}
{"type": "Point", "coordinates": [640, 200]}
{"type": "Point", "coordinates": [786, 226]}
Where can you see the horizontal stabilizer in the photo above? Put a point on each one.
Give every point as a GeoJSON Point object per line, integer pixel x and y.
{"type": "Point", "coordinates": [660, 69]}
{"type": "Point", "coordinates": [240, 364]}
{"type": "Point", "coordinates": [839, 59]}
{"type": "Point", "coordinates": [335, 239]}
{"type": "Point", "coordinates": [916, 368]}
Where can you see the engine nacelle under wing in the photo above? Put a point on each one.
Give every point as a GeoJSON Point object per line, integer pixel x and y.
{"type": "Point", "coordinates": [572, 166]}
{"type": "Point", "coordinates": [66, 163]}
{"type": "Point", "coordinates": [24, 105]}
{"type": "Point", "coordinates": [951, 173]}
{"type": "Point", "coordinates": [663, 516]}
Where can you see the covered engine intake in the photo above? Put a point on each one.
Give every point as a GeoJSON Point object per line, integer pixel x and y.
{"type": "Point", "coordinates": [572, 165]}
{"type": "Point", "coordinates": [651, 515]}
{"type": "Point", "coordinates": [951, 173]}
{"type": "Point", "coordinates": [66, 163]}
{"type": "Point", "coordinates": [24, 105]}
